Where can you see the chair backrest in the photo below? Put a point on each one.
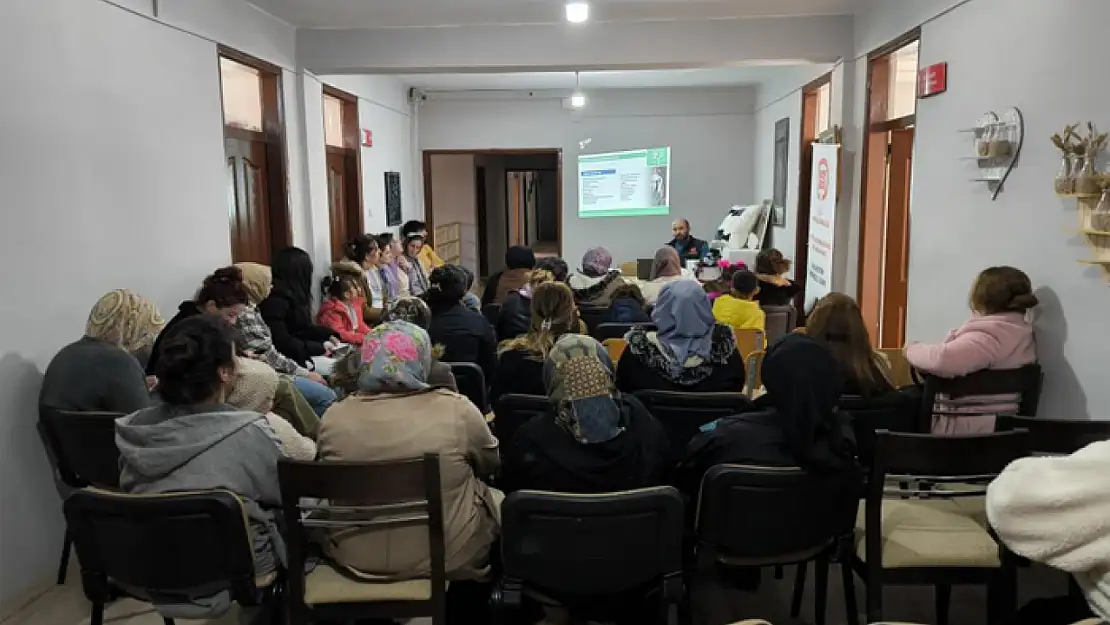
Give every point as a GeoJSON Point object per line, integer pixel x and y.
{"type": "Point", "coordinates": [471, 382]}
{"type": "Point", "coordinates": [195, 543]}
{"type": "Point", "coordinates": [84, 445]}
{"type": "Point", "coordinates": [963, 459]}
{"type": "Point", "coordinates": [572, 546]}
{"type": "Point", "coordinates": [901, 371]}
{"type": "Point", "coordinates": [683, 414]}
{"type": "Point", "coordinates": [613, 330]}
{"type": "Point", "coordinates": [780, 321]}
{"type": "Point", "coordinates": [1057, 436]}
{"type": "Point", "coordinates": [1025, 381]}
{"type": "Point", "coordinates": [754, 379]}
{"type": "Point", "coordinates": [492, 313]}
{"type": "Point", "coordinates": [749, 341]}
{"type": "Point", "coordinates": [512, 411]}
{"type": "Point", "coordinates": [361, 497]}
{"type": "Point", "coordinates": [592, 316]}
{"type": "Point", "coordinates": [763, 515]}
{"type": "Point", "coordinates": [616, 348]}
{"type": "Point", "coordinates": [895, 412]}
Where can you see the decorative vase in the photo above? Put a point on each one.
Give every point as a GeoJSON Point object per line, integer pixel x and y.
{"type": "Point", "coordinates": [1087, 179]}
{"type": "Point", "coordinates": [1064, 183]}
{"type": "Point", "coordinates": [1100, 216]}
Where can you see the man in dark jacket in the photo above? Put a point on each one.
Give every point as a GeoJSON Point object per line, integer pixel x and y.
{"type": "Point", "coordinates": [687, 246]}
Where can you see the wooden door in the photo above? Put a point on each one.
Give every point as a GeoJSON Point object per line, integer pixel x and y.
{"type": "Point", "coordinates": [872, 228]}
{"type": "Point", "coordinates": [248, 198]}
{"type": "Point", "coordinates": [337, 200]}
{"type": "Point", "coordinates": [897, 239]}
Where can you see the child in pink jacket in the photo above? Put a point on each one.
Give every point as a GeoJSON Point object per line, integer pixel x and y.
{"type": "Point", "coordinates": [997, 336]}
{"type": "Point", "coordinates": [341, 311]}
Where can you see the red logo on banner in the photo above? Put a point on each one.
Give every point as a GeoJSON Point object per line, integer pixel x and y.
{"type": "Point", "coordinates": [822, 179]}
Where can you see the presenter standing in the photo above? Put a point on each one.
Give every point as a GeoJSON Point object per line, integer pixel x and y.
{"type": "Point", "coordinates": [687, 246]}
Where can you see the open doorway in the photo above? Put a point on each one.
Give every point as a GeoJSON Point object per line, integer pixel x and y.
{"type": "Point", "coordinates": [816, 103]}
{"type": "Point", "coordinates": [885, 211]}
{"type": "Point", "coordinates": [494, 199]}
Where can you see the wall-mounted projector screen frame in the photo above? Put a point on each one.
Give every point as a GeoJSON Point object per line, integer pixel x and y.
{"type": "Point", "coordinates": [632, 183]}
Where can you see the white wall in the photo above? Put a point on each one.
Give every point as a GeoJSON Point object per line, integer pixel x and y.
{"type": "Point", "coordinates": [111, 175]}
{"type": "Point", "coordinates": [710, 132]}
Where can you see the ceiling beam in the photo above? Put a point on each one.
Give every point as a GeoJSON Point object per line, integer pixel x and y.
{"type": "Point", "coordinates": [563, 47]}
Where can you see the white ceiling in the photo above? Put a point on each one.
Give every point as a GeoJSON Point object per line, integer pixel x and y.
{"type": "Point", "coordinates": [526, 81]}
{"type": "Point", "coordinates": [420, 13]}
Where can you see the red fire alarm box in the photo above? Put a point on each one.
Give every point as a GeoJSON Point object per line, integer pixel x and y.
{"type": "Point", "coordinates": [368, 138]}
{"type": "Point", "coordinates": [932, 80]}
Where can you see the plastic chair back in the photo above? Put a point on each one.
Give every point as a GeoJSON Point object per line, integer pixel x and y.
{"type": "Point", "coordinates": [683, 414]}
{"type": "Point", "coordinates": [754, 380]}
{"type": "Point", "coordinates": [895, 412]}
{"type": "Point", "coordinates": [780, 321]}
{"type": "Point", "coordinates": [512, 411]}
{"type": "Point", "coordinates": [85, 446]}
{"type": "Point", "coordinates": [613, 330]}
{"type": "Point", "coordinates": [749, 341]}
{"type": "Point", "coordinates": [1057, 436]}
{"type": "Point", "coordinates": [901, 371]}
{"type": "Point", "coordinates": [1025, 381]}
{"type": "Point", "coordinates": [616, 348]}
{"type": "Point", "coordinates": [592, 316]}
{"type": "Point", "coordinates": [471, 382]}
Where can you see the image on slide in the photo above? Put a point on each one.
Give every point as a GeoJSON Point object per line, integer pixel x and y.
{"type": "Point", "coordinates": [659, 186]}
{"type": "Point", "coordinates": [634, 183]}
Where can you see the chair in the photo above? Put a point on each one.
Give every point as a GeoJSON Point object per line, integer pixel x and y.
{"type": "Point", "coordinates": [1057, 436]}
{"type": "Point", "coordinates": [616, 348]}
{"type": "Point", "coordinates": [174, 544]}
{"type": "Point", "coordinates": [1025, 381]}
{"type": "Point", "coordinates": [492, 313]}
{"type": "Point", "coordinates": [81, 448]}
{"type": "Point", "coordinates": [683, 414]}
{"type": "Point", "coordinates": [612, 330]}
{"type": "Point", "coordinates": [754, 379]}
{"type": "Point", "coordinates": [755, 517]}
{"type": "Point", "coordinates": [901, 371]}
{"type": "Point", "coordinates": [936, 531]}
{"type": "Point", "coordinates": [895, 412]}
{"type": "Point", "coordinates": [592, 316]}
{"type": "Point", "coordinates": [377, 497]}
{"type": "Point", "coordinates": [471, 383]}
{"type": "Point", "coordinates": [749, 341]}
{"type": "Point", "coordinates": [592, 553]}
{"type": "Point", "coordinates": [780, 321]}
{"type": "Point", "coordinates": [512, 411]}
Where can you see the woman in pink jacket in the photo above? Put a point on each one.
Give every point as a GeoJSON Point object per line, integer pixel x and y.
{"type": "Point", "coordinates": [997, 336]}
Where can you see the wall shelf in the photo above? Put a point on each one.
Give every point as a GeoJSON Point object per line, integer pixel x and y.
{"type": "Point", "coordinates": [1098, 239]}
{"type": "Point", "coordinates": [996, 145]}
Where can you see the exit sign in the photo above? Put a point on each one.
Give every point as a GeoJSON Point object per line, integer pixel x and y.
{"type": "Point", "coordinates": [932, 80]}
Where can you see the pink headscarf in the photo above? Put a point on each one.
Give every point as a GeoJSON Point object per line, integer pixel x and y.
{"type": "Point", "coordinates": [596, 262]}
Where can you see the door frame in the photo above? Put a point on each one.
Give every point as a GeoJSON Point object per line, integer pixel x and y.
{"type": "Point", "coordinates": [807, 134]}
{"type": "Point", "coordinates": [352, 148]}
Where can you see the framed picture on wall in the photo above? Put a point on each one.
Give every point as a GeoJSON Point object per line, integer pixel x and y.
{"type": "Point", "coordinates": [782, 156]}
{"type": "Point", "coordinates": [392, 198]}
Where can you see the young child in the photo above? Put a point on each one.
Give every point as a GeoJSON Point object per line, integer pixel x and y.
{"type": "Point", "coordinates": [341, 311]}
{"type": "Point", "coordinates": [738, 307]}
{"type": "Point", "coordinates": [628, 306]}
{"type": "Point", "coordinates": [723, 284]}
{"type": "Point", "coordinates": [997, 336]}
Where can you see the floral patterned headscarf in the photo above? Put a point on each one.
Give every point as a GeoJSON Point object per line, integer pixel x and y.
{"type": "Point", "coordinates": [580, 382]}
{"type": "Point", "coordinates": [396, 358]}
{"type": "Point", "coordinates": [125, 319]}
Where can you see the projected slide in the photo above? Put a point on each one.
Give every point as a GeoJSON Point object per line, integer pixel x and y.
{"type": "Point", "coordinates": [625, 184]}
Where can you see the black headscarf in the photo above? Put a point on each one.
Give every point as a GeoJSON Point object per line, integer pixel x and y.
{"type": "Point", "coordinates": [520, 257]}
{"type": "Point", "coordinates": [804, 385]}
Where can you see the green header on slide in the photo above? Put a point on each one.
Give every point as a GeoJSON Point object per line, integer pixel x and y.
{"type": "Point", "coordinates": [658, 156]}
{"type": "Point", "coordinates": [625, 212]}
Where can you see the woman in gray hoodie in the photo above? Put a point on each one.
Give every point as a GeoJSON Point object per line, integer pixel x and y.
{"type": "Point", "coordinates": [194, 441]}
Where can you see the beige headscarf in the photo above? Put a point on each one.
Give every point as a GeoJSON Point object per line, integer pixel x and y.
{"type": "Point", "coordinates": [666, 263]}
{"type": "Point", "coordinates": [125, 319]}
{"type": "Point", "coordinates": [258, 280]}
{"type": "Point", "coordinates": [254, 386]}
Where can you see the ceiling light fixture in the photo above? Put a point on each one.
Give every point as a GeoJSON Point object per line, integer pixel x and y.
{"type": "Point", "coordinates": [577, 99]}
{"type": "Point", "coordinates": [578, 12]}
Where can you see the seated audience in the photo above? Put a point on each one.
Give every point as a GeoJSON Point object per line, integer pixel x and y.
{"type": "Point", "coordinates": [593, 440]}
{"type": "Point", "coordinates": [341, 311]}
{"type": "Point", "coordinates": [998, 336]}
{"type": "Point", "coordinates": [666, 267]}
{"type": "Point", "coordinates": [429, 260]}
{"type": "Point", "coordinates": [397, 415]}
{"type": "Point", "coordinates": [418, 279]}
{"type": "Point", "coordinates": [597, 280]}
{"type": "Point", "coordinates": [102, 371]}
{"type": "Point", "coordinates": [687, 352]}
{"type": "Point", "coordinates": [520, 360]}
{"type": "Point", "coordinates": [738, 307]}
{"type": "Point", "coordinates": [254, 388]}
{"type": "Point", "coordinates": [470, 300]}
{"type": "Point", "coordinates": [796, 424]}
{"type": "Point", "coordinates": [836, 322]}
{"type": "Point", "coordinates": [519, 263]}
{"type": "Point", "coordinates": [557, 266]}
{"type": "Point", "coordinates": [391, 265]}
{"type": "Point", "coordinates": [361, 254]}
{"type": "Point", "coordinates": [416, 312]}
{"type": "Point", "coordinates": [466, 335]}
{"type": "Point", "coordinates": [255, 341]}
{"type": "Point", "coordinates": [774, 288]}
{"type": "Point", "coordinates": [516, 312]}
{"type": "Point", "coordinates": [194, 441]}
{"type": "Point", "coordinates": [288, 309]}
{"type": "Point", "coordinates": [222, 294]}
{"type": "Point", "coordinates": [628, 306]}
{"type": "Point", "coordinates": [1053, 510]}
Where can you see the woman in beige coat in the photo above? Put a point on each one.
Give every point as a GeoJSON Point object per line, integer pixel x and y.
{"type": "Point", "coordinates": [397, 415]}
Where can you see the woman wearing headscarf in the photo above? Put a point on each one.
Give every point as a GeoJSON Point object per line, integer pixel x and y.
{"type": "Point", "coordinates": [596, 280]}
{"type": "Point", "coordinates": [519, 263]}
{"type": "Point", "coordinates": [666, 267]}
{"type": "Point", "coordinates": [796, 424]}
{"type": "Point", "coordinates": [103, 371]}
{"type": "Point", "coordinates": [396, 414]}
{"type": "Point", "coordinates": [689, 351]}
{"type": "Point", "coordinates": [593, 439]}
{"type": "Point", "coordinates": [254, 388]}
{"type": "Point", "coordinates": [418, 279]}
{"type": "Point", "coordinates": [415, 311]}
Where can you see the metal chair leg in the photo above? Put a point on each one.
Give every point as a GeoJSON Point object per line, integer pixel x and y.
{"type": "Point", "coordinates": [942, 596]}
{"type": "Point", "coordinates": [849, 582]}
{"type": "Point", "coordinates": [97, 616]}
{"type": "Point", "coordinates": [799, 589]}
{"type": "Point", "coordinates": [821, 588]}
{"type": "Point", "coordinates": [778, 571]}
{"type": "Point", "coordinates": [63, 566]}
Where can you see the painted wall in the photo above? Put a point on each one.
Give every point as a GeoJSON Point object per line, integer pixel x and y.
{"type": "Point", "coordinates": [453, 201]}
{"type": "Point", "coordinates": [710, 133]}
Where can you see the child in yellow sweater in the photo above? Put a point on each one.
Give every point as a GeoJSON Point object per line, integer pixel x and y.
{"type": "Point", "coordinates": [738, 308]}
